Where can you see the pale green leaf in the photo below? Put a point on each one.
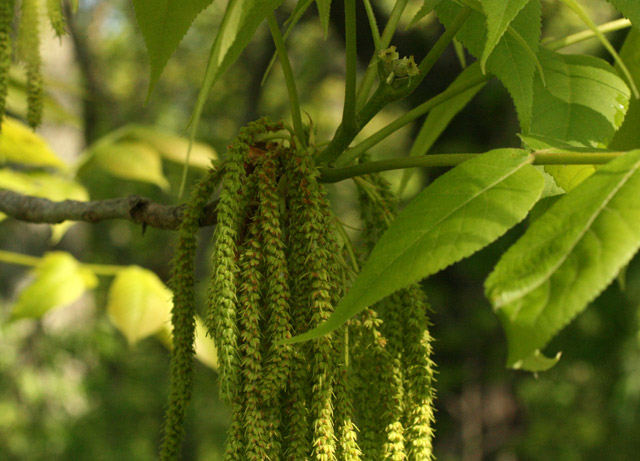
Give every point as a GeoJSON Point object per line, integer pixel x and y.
{"type": "Point", "coordinates": [324, 9]}
{"type": "Point", "coordinates": [173, 147]}
{"type": "Point", "coordinates": [630, 9]}
{"type": "Point", "coordinates": [59, 281]}
{"type": "Point", "coordinates": [440, 117]}
{"type": "Point", "coordinates": [567, 257]}
{"type": "Point", "coordinates": [513, 59]}
{"type": "Point", "coordinates": [499, 15]}
{"type": "Point", "coordinates": [427, 7]}
{"type": "Point", "coordinates": [129, 160]}
{"type": "Point", "coordinates": [139, 303]}
{"type": "Point", "coordinates": [163, 23]}
{"type": "Point", "coordinates": [205, 348]}
{"type": "Point", "coordinates": [458, 214]}
{"type": "Point", "coordinates": [20, 144]}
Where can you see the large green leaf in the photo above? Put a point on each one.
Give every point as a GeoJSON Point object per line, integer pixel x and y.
{"type": "Point", "coordinates": [163, 24]}
{"type": "Point", "coordinates": [139, 303]}
{"type": "Point", "coordinates": [629, 8]}
{"type": "Point", "coordinates": [59, 280]}
{"type": "Point", "coordinates": [458, 214]}
{"type": "Point", "coordinates": [513, 59]}
{"type": "Point", "coordinates": [499, 14]}
{"type": "Point", "coordinates": [567, 257]}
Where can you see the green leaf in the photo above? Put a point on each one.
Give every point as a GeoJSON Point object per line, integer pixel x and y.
{"type": "Point", "coordinates": [513, 59]}
{"type": "Point", "coordinates": [173, 147]}
{"type": "Point", "coordinates": [129, 160]}
{"type": "Point", "coordinates": [567, 257]}
{"type": "Point", "coordinates": [584, 101]}
{"type": "Point", "coordinates": [630, 9]}
{"type": "Point", "coordinates": [499, 14]}
{"type": "Point", "coordinates": [163, 23]}
{"type": "Point", "coordinates": [59, 281]}
{"type": "Point", "coordinates": [20, 144]}
{"type": "Point", "coordinates": [440, 117]}
{"type": "Point", "coordinates": [139, 303]}
{"type": "Point", "coordinates": [427, 7]}
{"type": "Point", "coordinates": [628, 136]}
{"type": "Point", "coordinates": [324, 8]}
{"type": "Point", "coordinates": [458, 214]}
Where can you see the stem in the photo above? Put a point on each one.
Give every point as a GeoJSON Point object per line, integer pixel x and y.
{"type": "Point", "coordinates": [351, 154]}
{"type": "Point", "coordinates": [289, 78]}
{"type": "Point", "coordinates": [387, 35]}
{"type": "Point", "coordinates": [546, 157]}
{"type": "Point", "coordinates": [32, 261]}
{"type": "Point", "coordinates": [578, 37]}
{"type": "Point", "coordinates": [386, 94]}
{"type": "Point", "coordinates": [349, 112]}
{"type": "Point", "coordinates": [375, 33]}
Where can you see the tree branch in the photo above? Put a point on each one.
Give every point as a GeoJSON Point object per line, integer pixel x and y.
{"type": "Point", "coordinates": [139, 210]}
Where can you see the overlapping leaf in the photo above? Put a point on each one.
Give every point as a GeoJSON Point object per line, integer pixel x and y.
{"type": "Point", "coordinates": [427, 7]}
{"type": "Point", "coordinates": [163, 24]}
{"type": "Point", "coordinates": [566, 258]}
{"type": "Point", "coordinates": [513, 59]}
{"type": "Point", "coordinates": [628, 136]}
{"type": "Point", "coordinates": [139, 303]}
{"type": "Point", "coordinates": [499, 15]}
{"type": "Point", "coordinates": [59, 281]}
{"type": "Point", "coordinates": [630, 9]}
{"type": "Point", "coordinates": [458, 214]}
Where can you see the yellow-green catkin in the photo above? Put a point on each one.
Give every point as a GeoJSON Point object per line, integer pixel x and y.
{"type": "Point", "coordinates": [29, 52]}
{"type": "Point", "coordinates": [183, 319]}
{"type": "Point", "coordinates": [222, 298]}
{"type": "Point", "coordinates": [56, 17]}
{"type": "Point", "coordinates": [315, 242]}
{"type": "Point", "coordinates": [6, 21]}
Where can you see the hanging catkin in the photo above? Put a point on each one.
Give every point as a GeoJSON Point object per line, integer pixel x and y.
{"type": "Point", "coordinates": [183, 319]}
{"type": "Point", "coordinates": [29, 52]}
{"type": "Point", "coordinates": [6, 20]}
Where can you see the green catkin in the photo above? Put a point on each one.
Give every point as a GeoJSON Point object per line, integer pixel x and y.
{"type": "Point", "coordinates": [250, 338]}
{"type": "Point", "coordinates": [277, 367]}
{"type": "Point", "coordinates": [29, 51]}
{"type": "Point", "coordinates": [183, 319]}
{"type": "Point", "coordinates": [221, 320]}
{"type": "Point", "coordinates": [6, 20]}
{"type": "Point", "coordinates": [420, 370]}
{"type": "Point", "coordinates": [56, 17]}
{"type": "Point", "coordinates": [319, 247]}
{"type": "Point", "coordinates": [348, 448]}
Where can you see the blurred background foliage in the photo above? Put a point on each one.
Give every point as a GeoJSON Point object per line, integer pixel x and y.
{"type": "Point", "coordinates": [72, 388]}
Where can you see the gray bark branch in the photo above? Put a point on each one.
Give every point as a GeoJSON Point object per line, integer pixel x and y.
{"type": "Point", "coordinates": [139, 210]}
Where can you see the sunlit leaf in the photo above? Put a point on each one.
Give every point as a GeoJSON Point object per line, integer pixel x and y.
{"type": "Point", "coordinates": [59, 281]}
{"type": "Point", "coordinates": [20, 144]}
{"type": "Point", "coordinates": [567, 257]}
{"type": "Point", "coordinates": [458, 214]}
{"type": "Point", "coordinates": [499, 15]}
{"type": "Point", "coordinates": [173, 147]}
{"type": "Point", "coordinates": [513, 59]}
{"type": "Point", "coordinates": [139, 303]}
{"type": "Point", "coordinates": [129, 160]}
{"type": "Point", "coordinates": [163, 23]}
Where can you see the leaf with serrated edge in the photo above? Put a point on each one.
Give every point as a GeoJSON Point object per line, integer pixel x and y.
{"type": "Point", "coordinates": [499, 14]}
{"type": "Point", "coordinates": [139, 303]}
{"type": "Point", "coordinates": [59, 281]}
{"type": "Point", "coordinates": [567, 257]}
{"type": "Point", "coordinates": [630, 9]}
{"type": "Point", "coordinates": [163, 24]}
{"type": "Point", "coordinates": [458, 214]}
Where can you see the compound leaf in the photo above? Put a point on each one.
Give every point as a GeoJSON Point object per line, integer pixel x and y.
{"type": "Point", "coordinates": [566, 258]}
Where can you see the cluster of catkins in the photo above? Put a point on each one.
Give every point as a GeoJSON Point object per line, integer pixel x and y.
{"type": "Point", "coordinates": [27, 48]}
{"type": "Point", "coordinates": [363, 392]}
